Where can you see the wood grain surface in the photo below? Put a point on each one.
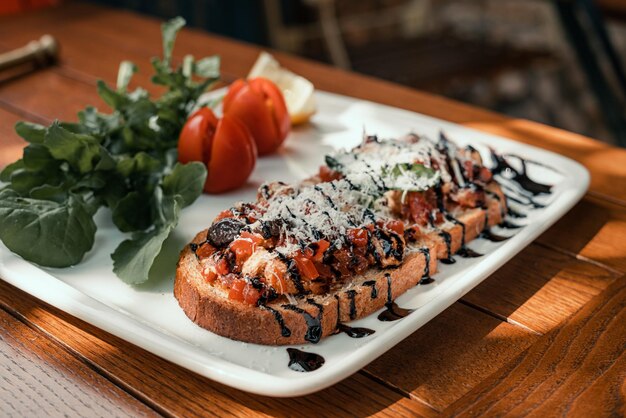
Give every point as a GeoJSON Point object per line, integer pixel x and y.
{"type": "Point", "coordinates": [41, 377]}
{"type": "Point", "coordinates": [543, 335]}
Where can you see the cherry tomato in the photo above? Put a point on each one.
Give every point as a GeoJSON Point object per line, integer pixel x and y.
{"type": "Point", "coordinates": [224, 145]}
{"type": "Point", "coordinates": [260, 105]}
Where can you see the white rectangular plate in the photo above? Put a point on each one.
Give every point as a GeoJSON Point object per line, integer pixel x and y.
{"type": "Point", "coordinates": [149, 316]}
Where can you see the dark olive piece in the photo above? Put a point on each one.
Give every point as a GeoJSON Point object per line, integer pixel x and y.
{"type": "Point", "coordinates": [224, 231]}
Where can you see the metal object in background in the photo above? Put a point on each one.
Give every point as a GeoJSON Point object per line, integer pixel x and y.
{"type": "Point", "coordinates": [584, 26]}
{"type": "Point", "coordinates": [40, 53]}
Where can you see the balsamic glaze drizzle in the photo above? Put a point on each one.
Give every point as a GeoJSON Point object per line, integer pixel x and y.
{"type": "Point", "coordinates": [355, 332]}
{"type": "Point", "coordinates": [467, 252]}
{"type": "Point", "coordinates": [490, 236]}
{"type": "Point", "coordinates": [509, 225]}
{"type": "Point", "coordinates": [519, 177]}
{"type": "Point", "coordinates": [515, 214]}
{"type": "Point", "coordinates": [426, 279]}
{"type": "Point", "coordinates": [351, 296]}
{"type": "Point", "coordinates": [284, 331]}
{"type": "Point", "coordinates": [338, 311]}
{"type": "Point", "coordinates": [314, 327]}
{"type": "Point", "coordinates": [393, 311]}
{"type": "Point", "coordinates": [372, 284]}
{"type": "Point", "coordinates": [448, 241]}
{"type": "Point", "coordinates": [302, 361]}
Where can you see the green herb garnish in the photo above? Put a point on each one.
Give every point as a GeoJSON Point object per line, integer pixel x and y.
{"type": "Point", "coordinates": [410, 177]}
{"type": "Point", "coordinates": [125, 160]}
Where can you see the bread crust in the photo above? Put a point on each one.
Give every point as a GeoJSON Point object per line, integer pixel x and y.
{"type": "Point", "coordinates": [209, 306]}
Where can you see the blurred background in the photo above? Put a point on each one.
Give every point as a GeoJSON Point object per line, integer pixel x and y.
{"type": "Point", "coordinates": [559, 62]}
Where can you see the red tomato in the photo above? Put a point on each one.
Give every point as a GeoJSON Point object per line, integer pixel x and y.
{"type": "Point", "coordinates": [260, 105]}
{"type": "Point", "coordinates": [306, 267]}
{"type": "Point", "coordinates": [358, 237]}
{"type": "Point", "coordinates": [236, 290]}
{"type": "Point", "coordinates": [205, 250]}
{"type": "Point", "coordinates": [224, 145]}
{"type": "Point", "coordinates": [326, 174]}
{"type": "Point", "coordinates": [244, 246]}
{"type": "Point", "coordinates": [395, 226]}
{"type": "Point", "coordinates": [222, 267]}
{"type": "Point", "coordinates": [250, 294]}
{"type": "Point", "coordinates": [209, 275]}
{"type": "Point", "coordinates": [243, 292]}
{"type": "Point", "coordinates": [316, 251]}
{"type": "Point", "coordinates": [276, 278]}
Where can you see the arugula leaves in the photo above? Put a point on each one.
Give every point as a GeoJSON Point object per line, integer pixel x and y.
{"type": "Point", "coordinates": [125, 160]}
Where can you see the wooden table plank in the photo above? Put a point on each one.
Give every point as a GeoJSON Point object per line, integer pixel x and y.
{"type": "Point", "coordinates": [578, 369]}
{"type": "Point", "coordinates": [173, 390]}
{"type": "Point", "coordinates": [540, 288]}
{"type": "Point", "coordinates": [600, 228]}
{"type": "Point", "coordinates": [10, 143]}
{"type": "Point", "coordinates": [40, 378]}
{"type": "Point", "coordinates": [451, 354]}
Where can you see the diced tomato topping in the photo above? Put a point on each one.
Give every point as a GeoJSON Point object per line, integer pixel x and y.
{"type": "Point", "coordinates": [276, 278]}
{"type": "Point", "coordinates": [205, 250]}
{"type": "Point", "coordinates": [316, 251]}
{"type": "Point", "coordinates": [343, 259]}
{"type": "Point", "coordinates": [209, 275]}
{"type": "Point", "coordinates": [224, 214]}
{"type": "Point", "coordinates": [244, 246]}
{"type": "Point", "coordinates": [323, 269]}
{"type": "Point", "coordinates": [327, 174]}
{"type": "Point", "coordinates": [250, 294]}
{"type": "Point", "coordinates": [395, 226]}
{"type": "Point", "coordinates": [221, 267]}
{"type": "Point", "coordinates": [419, 208]}
{"type": "Point", "coordinates": [242, 291]}
{"type": "Point", "coordinates": [358, 237]}
{"type": "Point", "coordinates": [485, 175]}
{"type": "Point", "coordinates": [306, 267]}
{"type": "Point", "coordinates": [236, 290]}
{"type": "Point", "coordinates": [255, 238]}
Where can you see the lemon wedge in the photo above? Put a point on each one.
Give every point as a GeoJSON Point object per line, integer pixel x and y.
{"type": "Point", "coordinates": [297, 91]}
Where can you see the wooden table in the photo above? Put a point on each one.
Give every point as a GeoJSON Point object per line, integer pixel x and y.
{"type": "Point", "coordinates": [545, 334]}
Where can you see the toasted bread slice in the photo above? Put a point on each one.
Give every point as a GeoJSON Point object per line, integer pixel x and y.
{"type": "Point", "coordinates": [310, 318]}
